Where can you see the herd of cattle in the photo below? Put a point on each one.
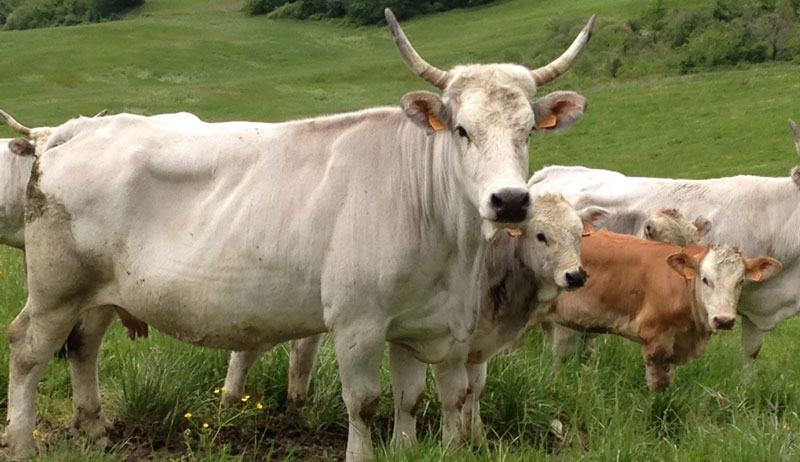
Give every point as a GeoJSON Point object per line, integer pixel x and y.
{"type": "Point", "coordinates": [413, 226]}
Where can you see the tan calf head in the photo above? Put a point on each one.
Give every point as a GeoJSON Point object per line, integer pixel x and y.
{"type": "Point", "coordinates": [719, 275]}
{"type": "Point", "coordinates": [669, 225]}
{"type": "Point", "coordinates": [552, 248]}
{"type": "Point", "coordinates": [487, 113]}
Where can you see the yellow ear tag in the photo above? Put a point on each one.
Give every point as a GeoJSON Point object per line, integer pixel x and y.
{"type": "Point", "coordinates": [549, 121]}
{"type": "Point", "coordinates": [514, 232]}
{"type": "Point", "coordinates": [435, 123]}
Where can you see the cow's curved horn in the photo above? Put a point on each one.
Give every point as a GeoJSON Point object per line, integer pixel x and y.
{"type": "Point", "coordinates": [413, 60]}
{"type": "Point", "coordinates": [796, 131]}
{"type": "Point", "coordinates": [100, 114]}
{"type": "Point", "coordinates": [562, 64]}
{"type": "Point", "coordinates": [14, 124]}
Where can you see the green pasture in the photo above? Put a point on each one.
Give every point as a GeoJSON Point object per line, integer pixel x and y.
{"type": "Point", "coordinates": [206, 57]}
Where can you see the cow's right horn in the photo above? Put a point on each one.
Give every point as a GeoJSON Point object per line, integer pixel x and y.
{"type": "Point", "coordinates": [796, 131]}
{"type": "Point", "coordinates": [15, 125]}
{"type": "Point", "coordinates": [562, 64]}
{"type": "Point", "coordinates": [413, 60]}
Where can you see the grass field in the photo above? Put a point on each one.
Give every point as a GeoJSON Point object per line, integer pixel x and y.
{"type": "Point", "coordinates": [205, 57]}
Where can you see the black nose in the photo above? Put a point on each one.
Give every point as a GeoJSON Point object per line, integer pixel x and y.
{"type": "Point", "coordinates": [648, 231]}
{"type": "Point", "coordinates": [724, 322]}
{"type": "Point", "coordinates": [510, 205]}
{"type": "Point", "coordinates": [576, 279]}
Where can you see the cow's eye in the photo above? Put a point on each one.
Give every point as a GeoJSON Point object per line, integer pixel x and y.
{"type": "Point", "coordinates": [462, 132]}
{"type": "Point", "coordinates": [705, 281]}
{"type": "Point", "coordinates": [541, 237]}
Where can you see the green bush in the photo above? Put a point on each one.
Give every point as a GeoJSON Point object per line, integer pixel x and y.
{"type": "Point", "coordinates": [29, 14]}
{"type": "Point", "coordinates": [359, 12]}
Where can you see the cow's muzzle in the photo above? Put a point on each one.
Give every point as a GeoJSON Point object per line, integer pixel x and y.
{"type": "Point", "coordinates": [723, 322]}
{"type": "Point", "coordinates": [510, 205]}
{"type": "Point", "coordinates": [575, 279]}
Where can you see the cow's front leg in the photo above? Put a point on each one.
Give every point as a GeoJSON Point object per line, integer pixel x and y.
{"type": "Point", "coordinates": [238, 368]}
{"type": "Point", "coordinates": [302, 356]}
{"type": "Point", "coordinates": [752, 339]}
{"type": "Point", "coordinates": [83, 349]}
{"type": "Point", "coordinates": [359, 349]}
{"type": "Point", "coordinates": [452, 385]}
{"type": "Point", "coordinates": [408, 385]}
{"type": "Point", "coordinates": [471, 412]}
{"type": "Point", "coordinates": [658, 370]}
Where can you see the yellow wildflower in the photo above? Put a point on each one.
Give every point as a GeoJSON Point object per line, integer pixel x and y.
{"type": "Point", "coordinates": [223, 389]}
{"type": "Point", "coordinates": [188, 415]}
{"type": "Point", "coordinates": [216, 391]}
{"type": "Point", "coordinates": [245, 398]}
{"type": "Point", "coordinates": [205, 424]}
{"type": "Point", "coordinates": [259, 406]}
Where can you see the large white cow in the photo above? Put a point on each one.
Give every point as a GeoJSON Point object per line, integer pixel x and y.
{"type": "Point", "coordinates": [372, 225]}
{"type": "Point", "coordinates": [758, 214]}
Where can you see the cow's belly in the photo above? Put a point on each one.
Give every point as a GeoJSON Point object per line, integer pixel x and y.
{"type": "Point", "coordinates": [234, 315]}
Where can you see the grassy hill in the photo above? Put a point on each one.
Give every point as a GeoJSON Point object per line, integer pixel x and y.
{"type": "Point", "coordinates": [206, 57]}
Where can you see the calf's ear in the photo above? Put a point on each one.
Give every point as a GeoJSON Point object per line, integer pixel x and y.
{"type": "Point", "coordinates": [592, 217]}
{"type": "Point", "coordinates": [425, 109]}
{"type": "Point", "coordinates": [21, 147]}
{"type": "Point", "coordinates": [703, 227]}
{"type": "Point", "coordinates": [761, 268]}
{"type": "Point", "coordinates": [684, 265]}
{"type": "Point", "coordinates": [558, 110]}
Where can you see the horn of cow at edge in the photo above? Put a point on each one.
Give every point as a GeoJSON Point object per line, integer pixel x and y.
{"type": "Point", "coordinates": [15, 125]}
{"type": "Point", "coordinates": [796, 131]}
{"type": "Point", "coordinates": [562, 64]}
{"type": "Point", "coordinates": [433, 75]}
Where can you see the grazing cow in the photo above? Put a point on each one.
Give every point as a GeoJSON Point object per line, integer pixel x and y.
{"type": "Point", "coordinates": [668, 298]}
{"type": "Point", "coordinates": [372, 225]}
{"type": "Point", "coordinates": [665, 225]}
{"type": "Point", "coordinates": [757, 214]}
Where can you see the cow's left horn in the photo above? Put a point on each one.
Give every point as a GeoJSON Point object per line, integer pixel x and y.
{"type": "Point", "coordinates": [100, 114]}
{"type": "Point", "coordinates": [796, 131]}
{"type": "Point", "coordinates": [562, 64]}
{"type": "Point", "coordinates": [413, 60]}
{"type": "Point", "coordinates": [15, 125]}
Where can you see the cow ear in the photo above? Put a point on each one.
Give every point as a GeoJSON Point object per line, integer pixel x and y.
{"type": "Point", "coordinates": [425, 109]}
{"type": "Point", "coordinates": [558, 110]}
{"type": "Point", "coordinates": [21, 147]}
{"type": "Point", "coordinates": [703, 227]}
{"type": "Point", "coordinates": [592, 217]}
{"type": "Point", "coordinates": [684, 265]}
{"type": "Point", "coordinates": [761, 268]}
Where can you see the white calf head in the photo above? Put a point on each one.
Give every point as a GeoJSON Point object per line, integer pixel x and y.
{"type": "Point", "coordinates": [551, 242]}
{"type": "Point", "coordinates": [487, 112]}
{"type": "Point", "coordinates": [669, 225]}
{"type": "Point", "coordinates": [719, 275]}
{"type": "Point", "coordinates": [39, 135]}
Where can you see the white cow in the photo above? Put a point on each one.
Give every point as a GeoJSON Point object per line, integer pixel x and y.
{"type": "Point", "coordinates": [758, 214]}
{"type": "Point", "coordinates": [372, 225]}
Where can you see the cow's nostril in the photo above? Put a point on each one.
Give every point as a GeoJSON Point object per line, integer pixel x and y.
{"type": "Point", "coordinates": [510, 205]}
{"type": "Point", "coordinates": [576, 279]}
{"type": "Point", "coordinates": [496, 200]}
{"type": "Point", "coordinates": [724, 322]}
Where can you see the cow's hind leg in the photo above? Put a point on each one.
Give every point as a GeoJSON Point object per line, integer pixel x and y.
{"type": "Point", "coordinates": [238, 368]}
{"type": "Point", "coordinates": [471, 412]}
{"type": "Point", "coordinates": [83, 349]}
{"type": "Point", "coordinates": [452, 384]}
{"type": "Point", "coordinates": [359, 349]}
{"type": "Point", "coordinates": [35, 335]}
{"type": "Point", "coordinates": [302, 356]}
{"type": "Point", "coordinates": [408, 384]}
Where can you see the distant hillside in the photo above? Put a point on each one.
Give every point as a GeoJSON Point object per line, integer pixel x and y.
{"type": "Point", "coordinates": [31, 14]}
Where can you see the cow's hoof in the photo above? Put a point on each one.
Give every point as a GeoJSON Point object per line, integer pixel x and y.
{"type": "Point", "coordinates": [94, 425]}
{"type": "Point", "coordinates": [19, 448]}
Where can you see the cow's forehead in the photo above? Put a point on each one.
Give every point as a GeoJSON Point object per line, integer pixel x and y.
{"type": "Point", "coordinates": [723, 261]}
{"type": "Point", "coordinates": [554, 213]}
{"type": "Point", "coordinates": [502, 83]}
